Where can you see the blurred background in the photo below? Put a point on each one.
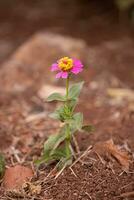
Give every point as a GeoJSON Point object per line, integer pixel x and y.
{"type": "Point", "coordinates": [107, 26]}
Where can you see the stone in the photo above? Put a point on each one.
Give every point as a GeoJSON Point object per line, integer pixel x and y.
{"type": "Point", "coordinates": [16, 176]}
{"type": "Point", "coordinates": [29, 66]}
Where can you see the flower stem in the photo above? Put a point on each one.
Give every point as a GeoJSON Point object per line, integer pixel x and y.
{"type": "Point", "coordinates": [68, 128]}
{"type": "Point", "coordinates": [67, 141]}
{"type": "Point", "coordinates": [67, 87]}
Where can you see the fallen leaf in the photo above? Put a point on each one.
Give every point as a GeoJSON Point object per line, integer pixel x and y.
{"type": "Point", "coordinates": [108, 148]}
{"type": "Point", "coordinates": [32, 188]}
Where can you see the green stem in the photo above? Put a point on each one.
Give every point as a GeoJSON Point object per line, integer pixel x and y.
{"type": "Point", "coordinates": [68, 141]}
{"type": "Point", "coordinates": [67, 87]}
{"type": "Point", "coordinates": [68, 128]}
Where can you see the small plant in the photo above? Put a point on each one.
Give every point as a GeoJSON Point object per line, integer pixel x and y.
{"type": "Point", "coordinates": [58, 147]}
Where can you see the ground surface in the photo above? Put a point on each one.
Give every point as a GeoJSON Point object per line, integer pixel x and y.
{"type": "Point", "coordinates": [24, 125]}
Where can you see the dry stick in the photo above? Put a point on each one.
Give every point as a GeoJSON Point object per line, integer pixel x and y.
{"type": "Point", "coordinates": [121, 173]}
{"type": "Point", "coordinates": [53, 170]}
{"type": "Point", "coordinates": [60, 172]}
{"type": "Point", "coordinates": [88, 195]}
{"type": "Point", "coordinates": [50, 173]}
{"type": "Point", "coordinates": [72, 151]}
{"type": "Point", "coordinates": [73, 172]}
{"type": "Point", "coordinates": [76, 144]}
{"type": "Point", "coordinates": [12, 161]}
{"type": "Point", "coordinates": [101, 159]}
{"type": "Point", "coordinates": [126, 185]}
{"type": "Point", "coordinates": [111, 167]}
{"type": "Point", "coordinates": [85, 152]}
{"type": "Point", "coordinates": [15, 153]}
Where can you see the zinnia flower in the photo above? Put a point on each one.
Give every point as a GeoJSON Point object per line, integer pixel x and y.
{"type": "Point", "coordinates": [65, 66]}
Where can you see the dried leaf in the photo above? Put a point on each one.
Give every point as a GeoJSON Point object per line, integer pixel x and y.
{"type": "Point", "coordinates": [108, 149]}
{"type": "Point", "coordinates": [121, 156]}
{"type": "Point", "coordinates": [32, 188]}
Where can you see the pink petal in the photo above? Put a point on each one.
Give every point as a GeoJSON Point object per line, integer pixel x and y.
{"type": "Point", "coordinates": [54, 67]}
{"type": "Point", "coordinates": [77, 63]}
{"type": "Point", "coordinates": [59, 75]}
{"type": "Point", "coordinates": [64, 74]}
{"type": "Point", "coordinates": [76, 70]}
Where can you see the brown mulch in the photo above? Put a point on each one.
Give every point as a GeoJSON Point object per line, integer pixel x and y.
{"type": "Point", "coordinates": [92, 177]}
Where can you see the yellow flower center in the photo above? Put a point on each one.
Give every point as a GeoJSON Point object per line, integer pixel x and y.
{"type": "Point", "coordinates": [65, 63]}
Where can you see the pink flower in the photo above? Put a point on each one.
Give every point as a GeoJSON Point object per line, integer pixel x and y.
{"type": "Point", "coordinates": [65, 66]}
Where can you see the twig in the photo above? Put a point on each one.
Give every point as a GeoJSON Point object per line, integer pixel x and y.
{"type": "Point", "coordinates": [73, 172]}
{"type": "Point", "coordinates": [111, 167]}
{"type": "Point", "coordinates": [60, 172]}
{"type": "Point", "coordinates": [15, 153]}
{"type": "Point", "coordinates": [72, 151]}
{"type": "Point", "coordinates": [126, 185]}
{"type": "Point", "coordinates": [50, 173]}
{"type": "Point", "coordinates": [88, 195]}
{"type": "Point", "coordinates": [76, 144]}
{"type": "Point", "coordinates": [85, 152]}
{"type": "Point", "coordinates": [101, 159]}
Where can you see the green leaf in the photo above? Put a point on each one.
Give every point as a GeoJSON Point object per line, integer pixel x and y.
{"type": "Point", "coordinates": [2, 165]}
{"type": "Point", "coordinates": [59, 153]}
{"type": "Point", "coordinates": [52, 151]}
{"type": "Point", "coordinates": [74, 90]}
{"type": "Point", "coordinates": [56, 97]}
{"type": "Point", "coordinates": [53, 141]}
{"type": "Point", "coordinates": [76, 122]}
{"type": "Point", "coordinates": [55, 115]}
{"type": "Point", "coordinates": [58, 114]}
{"type": "Point", "coordinates": [88, 128]}
{"type": "Point", "coordinates": [56, 155]}
{"type": "Point", "coordinates": [72, 104]}
{"type": "Point", "coordinates": [39, 161]}
{"type": "Point", "coordinates": [64, 162]}
{"type": "Point", "coordinates": [63, 113]}
{"type": "Point", "coordinates": [67, 112]}
{"type": "Point", "coordinates": [78, 117]}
